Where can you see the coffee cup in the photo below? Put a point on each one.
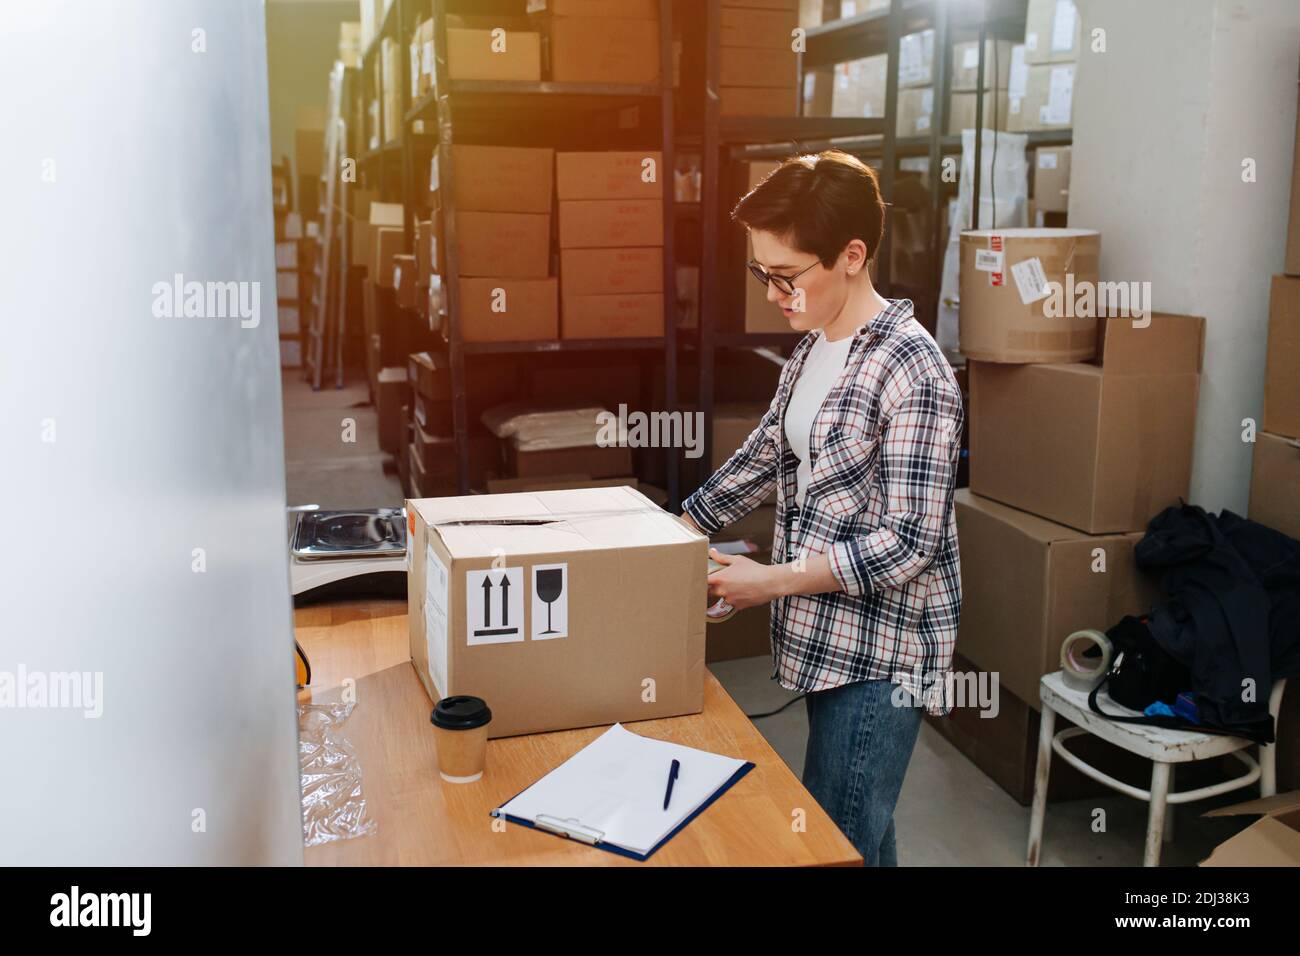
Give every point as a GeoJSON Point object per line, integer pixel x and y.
{"type": "Point", "coordinates": [460, 729]}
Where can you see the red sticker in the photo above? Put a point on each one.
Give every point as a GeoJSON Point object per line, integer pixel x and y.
{"type": "Point", "coordinates": [995, 243]}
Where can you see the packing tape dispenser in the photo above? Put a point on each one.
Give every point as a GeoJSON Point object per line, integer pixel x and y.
{"type": "Point", "coordinates": [720, 611]}
{"type": "Point", "coordinates": [1085, 659]}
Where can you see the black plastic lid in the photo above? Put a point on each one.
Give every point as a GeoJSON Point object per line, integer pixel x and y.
{"type": "Point", "coordinates": [460, 713]}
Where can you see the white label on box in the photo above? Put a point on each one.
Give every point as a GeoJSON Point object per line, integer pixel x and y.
{"type": "Point", "coordinates": [550, 617]}
{"type": "Point", "coordinates": [1059, 96]}
{"type": "Point", "coordinates": [1013, 105]}
{"type": "Point", "coordinates": [437, 586]}
{"type": "Point", "coordinates": [986, 260]}
{"type": "Point", "coordinates": [922, 123]}
{"type": "Point", "coordinates": [1063, 26]}
{"type": "Point", "coordinates": [970, 59]}
{"type": "Point", "coordinates": [420, 416]}
{"type": "Point", "coordinates": [494, 606]}
{"type": "Point", "coordinates": [1018, 77]}
{"type": "Point", "coordinates": [397, 277]}
{"type": "Point", "coordinates": [1031, 281]}
{"type": "Point", "coordinates": [1046, 159]}
{"type": "Point", "coordinates": [848, 8]}
{"type": "Point", "coordinates": [1031, 41]}
{"type": "Point", "coordinates": [927, 103]}
{"type": "Point", "coordinates": [433, 173]}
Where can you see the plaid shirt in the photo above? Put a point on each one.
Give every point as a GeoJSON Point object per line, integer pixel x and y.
{"type": "Point", "coordinates": [884, 449]}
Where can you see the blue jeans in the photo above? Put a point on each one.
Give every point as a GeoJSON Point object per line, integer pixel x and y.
{"type": "Point", "coordinates": [859, 744]}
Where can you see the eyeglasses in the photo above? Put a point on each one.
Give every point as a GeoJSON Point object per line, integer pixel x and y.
{"type": "Point", "coordinates": [784, 284]}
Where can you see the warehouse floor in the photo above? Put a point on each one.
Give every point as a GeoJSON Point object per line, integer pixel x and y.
{"type": "Point", "coordinates": [949, 814]}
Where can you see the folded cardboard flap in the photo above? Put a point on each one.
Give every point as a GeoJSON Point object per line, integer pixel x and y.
{"type": "Point", "coordinates": [1169, 344]}
{"type": "Point", "coordinates": [1273, 840]}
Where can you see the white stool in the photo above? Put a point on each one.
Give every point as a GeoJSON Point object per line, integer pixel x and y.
{"type": "Point", "coordinates": [1164, 748]}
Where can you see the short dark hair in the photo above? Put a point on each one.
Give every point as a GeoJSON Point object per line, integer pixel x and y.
{"type": "Point", "coordinates": [818, 203]}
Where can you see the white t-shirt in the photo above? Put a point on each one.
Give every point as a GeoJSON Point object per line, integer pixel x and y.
{"type": "Point", "coordinates": [821, 369]}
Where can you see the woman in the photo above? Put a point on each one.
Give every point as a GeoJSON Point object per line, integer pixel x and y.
{"type": "Point", "coordinates": [861, 443]}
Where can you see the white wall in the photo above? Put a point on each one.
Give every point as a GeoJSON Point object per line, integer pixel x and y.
{"type": "Point", "coordinates": [131, 439]}
{"type": "Point", "coordinates": [1186, 90]}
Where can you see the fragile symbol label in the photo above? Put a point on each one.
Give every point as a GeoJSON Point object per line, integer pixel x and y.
{"type": "Point", "coordinates": [494, 606]}
{"type": "Point", "coordinates": [550, 604]}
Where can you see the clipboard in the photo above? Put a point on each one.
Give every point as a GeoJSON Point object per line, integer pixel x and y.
{"type": "Point", "coordinates": [573, 828]}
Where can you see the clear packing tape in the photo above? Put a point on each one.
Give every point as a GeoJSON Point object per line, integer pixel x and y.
{"type": "Point", "coordinates": [333, 807]}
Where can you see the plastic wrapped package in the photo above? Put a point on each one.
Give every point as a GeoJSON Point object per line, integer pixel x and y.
{"type": "Point", "coordinates": [534, 428]}
{"type": "Point", "coordinates": [333, 806]}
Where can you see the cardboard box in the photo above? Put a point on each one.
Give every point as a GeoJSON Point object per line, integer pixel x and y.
{"type": "Point", "coordinates": [392, 393]}
{"type": "Point", "coordinates": [915, 111]}
{"type": "Point", "coordinates": [470, 54]}
{"type": "Point", "coordinates": [1275, 483]}
{"type": "Point", "coordinates": [1282, 376]}
{"type": "Point", "coordinates": [620, 9]}
{"type": "Point", "coordinates": [762, 4]}
{"type": "Point", "coordinates": [593, 460]}
{"type": "Point", "coordinates": [514, 245]}
{"type": "Point", "coordinates": [1052, 178]}
{"type": "Point", "coordinates": [771, 69]}
{"type": "Point", "coordinates": [509, 310]}
{"type": "Point", "coordinates": [1048, 100]}
{"type": "Point", "coordinates": [916, 59]}
{"type": "Point", "coordinates": [858, 87]}
{"type": "Point", "coordinates": [1052, 31]}
{"type": "Point", "coordinates": [961, 111]}
{"type": "Point", "coordinates": [502, 486]}
{"type": "Point", "coordinates": [464, 641]}
{"type": "Point", "coordinates": [350, 43]}
{"type": "Point", "coordinates": [603, 223]}
{"type": "Point", "coordinates": [1099, 448]}
{"type": "Point", "coordinates": [387, 243]}
{"type": "Point", "coordinates": [1002, 268]}
{"type": "Point", "coordinates": [405, 276]}
{"type": "Point", "coordinates": [756, 101]}
{"type": "Point", "coordinates": [604, 50]}
{"type": "Point", "coordinates": [759, 29]}
{"type": "Point", "coordinates": [612, 271]}
{"type": "Point", "coordinates": [965, 65]}
{"type": "Point", "coordinates": [499, 178]}
{"type": "Point", "coordinates": [630, 315]}
{"type": "Point", "coordinates": [610, 174]}
{"type": "Point", "coordinates": [1029, 583]}
{"type": "Point", "coordinates": [1272, 840]}
{"type": "Point", "coordinates": [425, 249]}
{"type": "Point", "coordinates": [1292, 266]}
{"type": "Point", "coordinates": [359, 224]}
{"type": "Point", "coordinates": [435, 457]}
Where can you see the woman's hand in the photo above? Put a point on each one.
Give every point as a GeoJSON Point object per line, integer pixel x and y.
{"type": "Point", "coordinates": [743, 582]}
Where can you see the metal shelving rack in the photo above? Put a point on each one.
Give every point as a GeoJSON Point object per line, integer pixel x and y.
{"type": "Point", "coordinates": [728, 139]}
{"type": "Point", "coordinates": [460, 109]}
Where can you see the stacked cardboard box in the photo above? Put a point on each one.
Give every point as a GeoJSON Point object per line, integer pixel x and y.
{"type": "Point", "coordinates": [1051, 48]}
{"type": "Point", "coordinates": [503, 242]}
{"type": "Point", "coordinates": [1051, 181]}
{"type": "Point", "coordinates": [350, 44]}
{"type": "Point", "coordinates": [601, 41]}
{"type": "Point", "coordinates": [1275, 478]}
{"type": "Point", "coordinates": [966, 80]}
{"type": "Point", "coordinates": [493, 48]}
{"type": "Point", "coordinates": [758, 71]}
{"type": "Point", "coordinates": [431, 453]}
{"type": "Point", "coordinates": [391, 106]}
{"type": "Point", "coordinates": [611, 244]}
{"type": "Point", "coordinates": [915, 84]}
{"type": "Point", "coordinates": [542, 440]}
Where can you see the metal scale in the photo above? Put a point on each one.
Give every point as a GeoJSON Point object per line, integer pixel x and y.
{"type": "Point", "coordinates": [360, 553]}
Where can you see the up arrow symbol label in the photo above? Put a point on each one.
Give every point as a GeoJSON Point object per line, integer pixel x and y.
{"type": "Point", "coordinates": [487, 601]}
{"type": "Point", "coordinates": [505, 601]}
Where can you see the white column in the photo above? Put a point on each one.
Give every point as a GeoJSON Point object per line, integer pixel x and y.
{"type": "Point", "coordinates": [1185, 91]}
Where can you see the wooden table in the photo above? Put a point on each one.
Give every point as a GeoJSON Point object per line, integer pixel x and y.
{"type": "Point", "coordinates": [767, 819]}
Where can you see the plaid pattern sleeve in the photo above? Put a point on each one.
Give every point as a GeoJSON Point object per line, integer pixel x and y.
{"type": "Point", "coordinates": [743, 481]}
{"type": "Point", "coordinates": [917, 469]}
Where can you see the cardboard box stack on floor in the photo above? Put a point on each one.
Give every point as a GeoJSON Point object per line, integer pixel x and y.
{"type": "Point", "coordinates": [431, 452]}
{"type": "Point", "coordinates": [503, 242]}
{"type": "Point", "coordinates": [1051, 48]}
{"type": "Point", "coordinates": [915, 84]}
{"type": "Point", "coordinates": [1081, 430]}
{"type": "Point", "coordinates": [601, 591]}
{"type": "Point", "coordinates": [600, 41]}
{"type": "Point", "coordinates": [965, 82]}
{"type": "Point", "coordinates": [758, 69]}
{"type": "Point", "coordinates": [611, 243]}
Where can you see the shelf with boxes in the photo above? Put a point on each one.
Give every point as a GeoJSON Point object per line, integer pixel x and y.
{"type": "Point", "coordinates": [526, 227]}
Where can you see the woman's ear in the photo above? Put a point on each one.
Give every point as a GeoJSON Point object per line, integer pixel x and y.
{"type": "Point", "coordinates": [855, 256]}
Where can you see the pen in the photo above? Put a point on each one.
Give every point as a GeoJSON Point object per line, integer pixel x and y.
{"type": "Point", "coordinates": [672, 775]}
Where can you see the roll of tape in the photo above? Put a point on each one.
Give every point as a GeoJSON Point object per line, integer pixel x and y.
{"type": "Point", "coordinates": [1085, 659]}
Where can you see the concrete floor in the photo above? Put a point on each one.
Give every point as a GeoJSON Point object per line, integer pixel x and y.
{"type": "Point", "coordinates": [949, 813]}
